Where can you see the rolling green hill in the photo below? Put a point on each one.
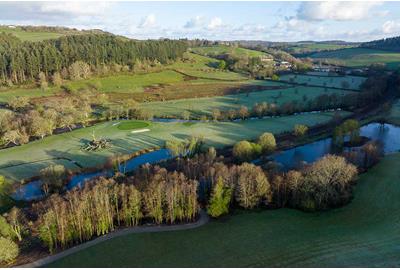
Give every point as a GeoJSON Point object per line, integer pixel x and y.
{"type": "Point", "coordinates": [213, 51]}
{"type": "Point", "coordinates": [359, 57]}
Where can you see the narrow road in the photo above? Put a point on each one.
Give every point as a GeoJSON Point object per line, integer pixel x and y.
{"type": "Point", "coordinates": [203, 219]}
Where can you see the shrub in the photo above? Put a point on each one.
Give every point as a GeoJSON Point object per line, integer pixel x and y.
{"type": "Point", "coordinates": [267, 142]}
{"type": "Point", "coordinates": [8, 250]}
{"type": "Point", "coordinates": [300, 130]}
{"type": "Point", "coordinates": [243, 150]}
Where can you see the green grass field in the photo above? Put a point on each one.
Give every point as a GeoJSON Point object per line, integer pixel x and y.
{"type": "Point", "coordinates": [354, 82]}
{"type": "Point", "coordinates": [198, 106]}
{"type": "Point", "coordinates": [39, 154]}
{"type": "Point", "coordinates": [205, 67]}
{"type": "Point", "coordinates": [315, 47]}
{"type": "Point", "coordinates": [29, 36]}
{"type": "Point", "coordinates": [131, 125]}
{"type": "Point", "coordinates": [221, 49]}
{"type": "Point", "coordinates": [365, 233]}
{"type": "Point", "coordinates": [131, 83]}
{"type": "Point", "coordinates": [360, 57]}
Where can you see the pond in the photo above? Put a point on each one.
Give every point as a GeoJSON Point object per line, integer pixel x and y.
{"type": "Point", "coordinates": [33, 190]}
{"type": "Point", "coordinates": [388, 135]}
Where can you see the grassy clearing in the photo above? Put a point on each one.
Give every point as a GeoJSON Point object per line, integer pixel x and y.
{"type": "Point", "coordinates": [353, 82]}
{"type": "Point", "coordinates": [130, 125]}
{"type": "Point", "coordinates": [364, 233]}
{"type": "Point", "coordinates": [34, 92]}
{"type": "Point", "coordinates": [359, 57]}
{"type": "Point", "coordinates": [29, 36]}
{"type": "Point", "coordinates": [197, 106]}
{"type": "Point", "coordinates": [68, 145]}
{"type": "Point", "coordinates": [221, 49]}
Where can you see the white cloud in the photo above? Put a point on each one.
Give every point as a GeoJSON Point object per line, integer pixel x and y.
{"type": "Point", "coordinates": [195, 22]}
{"type": "Point", "coordinates": [73, 8]}
{"type": "Point", "coordinates": [148, 22]}
{"type": "Point", "coordinates": [338, 11]}
{"type": "Point", "coordinates": [391, 27]}
{"type": "Point", "coordinates": [215, 23]}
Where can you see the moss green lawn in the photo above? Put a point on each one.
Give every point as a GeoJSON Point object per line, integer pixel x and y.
{"type": "Point", "coordinates": [365, 233]}
{"type": "Point", "coordinates": [39, 154]}
{"type": "Point", "coordinates": [222, 49]}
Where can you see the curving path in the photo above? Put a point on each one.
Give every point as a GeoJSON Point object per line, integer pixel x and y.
{"type": "Point", "coordinates": [203, 219]}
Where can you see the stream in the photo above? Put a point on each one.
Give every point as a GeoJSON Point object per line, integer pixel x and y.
{"type": "Point", "coordinates": [388, 135]}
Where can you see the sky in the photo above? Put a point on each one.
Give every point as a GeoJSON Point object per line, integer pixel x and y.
{"type": "Point", "coordinates": [270, 21]}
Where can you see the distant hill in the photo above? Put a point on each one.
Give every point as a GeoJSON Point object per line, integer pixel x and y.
{"type": "Point", "coordinates": [387, 44]}
{"type": "Point", "coordinates": [40, 33]}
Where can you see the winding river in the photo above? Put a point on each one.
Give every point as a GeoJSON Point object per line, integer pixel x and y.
{"type": "Point", "coordinates": [388, 135]}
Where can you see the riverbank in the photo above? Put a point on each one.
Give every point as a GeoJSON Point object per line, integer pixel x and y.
{"type": "Point", "coordinates": [363, 233]}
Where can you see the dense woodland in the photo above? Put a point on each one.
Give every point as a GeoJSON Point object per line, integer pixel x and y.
{"type": "Point", "coordinates": [387, 44]}
{"type": "Point", "coordinates": [24, 61]}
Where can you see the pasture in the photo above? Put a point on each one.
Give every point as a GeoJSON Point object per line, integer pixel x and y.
{"type": "Point", "coordinates": [25, 161]}
{"type": "Point", "coordinates": [299, 48]}
{"type": "Point", "coordinates": [361, 57]}
{"type": "Point", "coordinates": [198, 106]}
{"type": "Point", "coordinates": [29, 35]}
{"type": "Point", "coordinates": [346, 82]}
{"type": "Point", "coordinates": [205, 67]}
{"type": "Point", "coordinates": [198, 71]}
{"type": "Point", "coordinates": [213, 51]}
{"type": "Point", "coordinates": [364, 233]}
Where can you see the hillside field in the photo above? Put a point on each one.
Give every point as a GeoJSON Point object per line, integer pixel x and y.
{"type": "Point", "coordinates": [28, 35]}
{"type": "Point", "coordinates": [40, 154]}
{"type": "Point", "coordinates": [198, 106]}
{"type": "Point", "coordinates": [351, 82]}
{"type": "Point", "coordinates": [361, 57]}
{"type": "Point", "coordinates": [364, 233]}
{"type": "Point", "coordinates": [221, 49]}
{"type": "Point", "coordinates": [200, 69]}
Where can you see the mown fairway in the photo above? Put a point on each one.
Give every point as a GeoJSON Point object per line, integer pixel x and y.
{"type": "Point", "coordinates": [347, 82]}
{"type": "Point", "coordinates": [39, 154]}
{"type": "Point", "coordinates": [359, 57]}
{"type": "Point", "coordinates": [365, 233]}
{"type": "Point", "coordinates": [197, 106]}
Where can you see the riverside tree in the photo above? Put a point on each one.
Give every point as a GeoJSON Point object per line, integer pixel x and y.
{"type": "Point", "coordinates": [220, 199]}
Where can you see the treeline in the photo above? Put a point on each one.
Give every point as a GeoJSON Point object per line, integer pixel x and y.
{"type": "Point", "coordinates": [24, 61]}
{"type": "Point", "coordinates": [101, 206]}
{"type": "Point", "coordinates": [387, 44]}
